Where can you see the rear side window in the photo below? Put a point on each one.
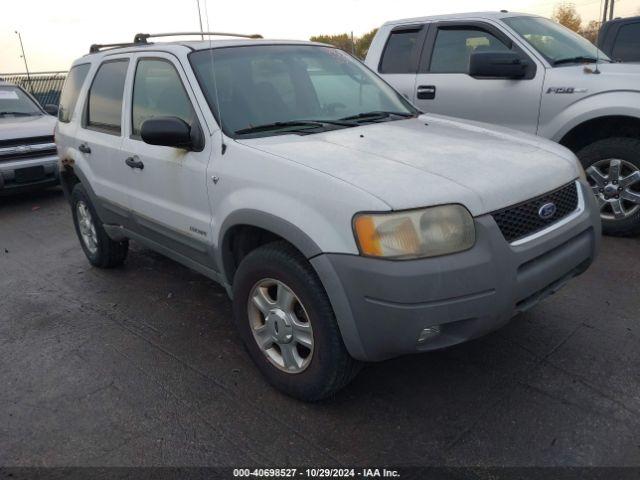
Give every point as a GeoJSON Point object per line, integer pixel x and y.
{"type": "Point", "coordinates": [104, 107]}
{"type": "Point", "coordinates": [71, 90]}
{"type": "Point", "coordinates": [627, 45]}
{"type": "Point", "coordinates": [453, 48]}
{"type": "Point", "coordinates": [158, 92]}
{"type": "Point", "coordinates": [401, 52]}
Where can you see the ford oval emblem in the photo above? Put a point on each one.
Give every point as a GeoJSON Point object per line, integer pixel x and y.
{"type": "Point", "coordinates": [547, 211]}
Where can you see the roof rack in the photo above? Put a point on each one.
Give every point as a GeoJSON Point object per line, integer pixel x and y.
{"type": "Point", "coordinates": [142, 37]}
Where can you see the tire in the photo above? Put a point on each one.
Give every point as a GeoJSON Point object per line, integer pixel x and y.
{"type": "Point", "coordinates": [597, 161]}
{"type": "Point", "coordinates": [328, 367]}
{"type": "Point", "coordinates": [102, 252]}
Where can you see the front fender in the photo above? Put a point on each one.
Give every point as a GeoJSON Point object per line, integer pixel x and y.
{"type": "Point", "coordinates": [617, 103]}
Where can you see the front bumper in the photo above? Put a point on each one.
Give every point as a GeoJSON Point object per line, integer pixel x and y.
{"type": "Point", "coordinates": [382, 306]}
{"type": "Point", "coordinates": [46, 169]}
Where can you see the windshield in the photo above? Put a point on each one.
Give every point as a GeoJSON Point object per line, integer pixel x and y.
{"type": "Point", "coordinates": [556, 43]}
{"type": "Point", "coordinates": [13, 101]}
{"type": "Point", "coordinates": [292, 89]}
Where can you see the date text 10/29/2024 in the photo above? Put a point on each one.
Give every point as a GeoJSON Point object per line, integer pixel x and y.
{"type": "Point", "coordinates": [315, 473]}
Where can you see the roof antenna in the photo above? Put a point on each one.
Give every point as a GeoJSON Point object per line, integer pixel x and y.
{"type": "Point", "coordinates": [200, 19]}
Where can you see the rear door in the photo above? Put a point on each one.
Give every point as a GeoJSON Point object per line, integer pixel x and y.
{"type": "Point", "coordinates": [444, 86]}
{"type": "Point", "coordinates": [400, 58]}
{"type": "Point", "coordinates": [169, 197]}
{"type": "Point", "coordinates": [100, 136]}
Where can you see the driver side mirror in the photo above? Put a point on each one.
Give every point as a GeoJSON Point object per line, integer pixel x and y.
{"type": "Point", "coordinates": [497, 65]}
{"type": "Point", "coordinates": [51, 109]}
{"type": "Point", "coordinates": [171, 132]}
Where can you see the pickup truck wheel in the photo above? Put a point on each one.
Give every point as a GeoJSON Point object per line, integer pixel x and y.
{"type": "Point", "coordinates": [97, 246]}
{"type": "Point", "coordinates": [286, 321]}
{"type": "Point", "coordinates": [612, 166]}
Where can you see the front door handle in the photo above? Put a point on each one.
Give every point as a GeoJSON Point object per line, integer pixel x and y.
{"type": "Point", "coordinates": [84, 148]}
{"type": "Point", "coordinates": [426, 92]}
{"type": "Point", "coordinates": [134, 162]}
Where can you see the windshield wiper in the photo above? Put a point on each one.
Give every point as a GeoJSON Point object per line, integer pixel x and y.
{"type": "Point", "coordinates": [575, 60]}
{"type": "Point", "coordinates": [17, 113]}
{"type": "Point", "coordinates": [377, 115]}
{"type": "Point", "coordinates": [293, 126]}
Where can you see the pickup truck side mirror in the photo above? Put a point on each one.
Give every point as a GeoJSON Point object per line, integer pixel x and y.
{"type": "Point", "coordinates": [51, 109]}
{"type": "Point", "coordinates": [496, 65]}
{"type": "Point", "coordinates": [171, 132]}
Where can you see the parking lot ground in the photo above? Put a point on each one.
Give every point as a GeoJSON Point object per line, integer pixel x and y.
{"type": "Point", "coordinates": [141, 366]}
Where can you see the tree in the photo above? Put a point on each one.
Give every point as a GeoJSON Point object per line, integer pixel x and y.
{"type": "Point", "coordinates": [359, 46]}
{"type": "Point", "coordinates": [565, 14]}
{"type": "Point", "coordinates": [590, 32]}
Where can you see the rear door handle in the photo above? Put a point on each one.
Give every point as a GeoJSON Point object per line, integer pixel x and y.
{"type": "Point", "coordinates": [426, 92]}
{"type": "Point", "coordinates": [134, 162]}
{"type": "Point", "coordinates": [84, 148]}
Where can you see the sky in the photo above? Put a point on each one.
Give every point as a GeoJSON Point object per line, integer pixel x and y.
{"type": "Point", "coordinates": [55, 32]}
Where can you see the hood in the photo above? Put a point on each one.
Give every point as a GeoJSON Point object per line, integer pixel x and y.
{"type": "Point", "coordinates": [432, 160]}
{"type": "Point", "coordinates": [12, 128]}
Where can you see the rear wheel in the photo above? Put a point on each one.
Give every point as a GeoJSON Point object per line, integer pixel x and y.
{"type": "Point", "coordinates": [101, 250]}
{"type": "Point", "coordinates": [612, 166]}
{"type": "Point", "coordinates": [286, 321]}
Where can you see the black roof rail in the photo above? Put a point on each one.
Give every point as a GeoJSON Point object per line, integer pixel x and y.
{"type": "Point", "coordinates": [97, 47]}
{"type": "Point", "coordinates": [142, 37]}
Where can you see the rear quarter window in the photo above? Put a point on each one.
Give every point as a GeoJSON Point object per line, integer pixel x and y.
{"type": "Point", "coordinates": [71, 91]}
{"type": "Point", "coordinates": [627, 43]}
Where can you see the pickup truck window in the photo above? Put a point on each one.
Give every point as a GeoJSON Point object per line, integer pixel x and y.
{"type": "Point", "coordinates": [454, 46]}
{"type": "Point", "coordinates": [627, 44]}
{"type": "Point", "coordinates": [557, 44]}
{"type": "Point", "coordinates": [400, 52]}
{"type": "Point", "coordinates": [104, 110]}
{"type": "Point", "coordinates": [158, 91]}
{"type": "Point", "coordinates": [247, 87]}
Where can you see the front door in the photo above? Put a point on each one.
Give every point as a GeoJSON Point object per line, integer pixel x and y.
{"type": "Point", "coordinates": [169, 198]}
{"type": "Point", "coordinates": [444, 86]}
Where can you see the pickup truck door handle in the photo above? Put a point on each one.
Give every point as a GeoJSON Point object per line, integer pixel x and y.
{"type": "Point", "coordinates": [426, 92]}
{"type": "Point", "coordinates": [84, 148]}
{"type": "Point", "coordinates": [134, 162]}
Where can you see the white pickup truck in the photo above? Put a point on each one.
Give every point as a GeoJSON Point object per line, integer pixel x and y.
{"type": "Point", "coordinates": [531, 74]}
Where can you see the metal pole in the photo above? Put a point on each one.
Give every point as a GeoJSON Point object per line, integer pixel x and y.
{"type": "Point", "coordinates": [604, 14]}
{"type": "Point", "coordinates": [353, 45]}
{"type": "Point", "coordinates": [611, 9]}
{"type": "Point", "coordinates": [200, 18]}
{"type": "Point", "coordinates": [24, 57]}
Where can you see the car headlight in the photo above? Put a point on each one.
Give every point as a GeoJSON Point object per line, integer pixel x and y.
{"type": "Point", "coordinates": [427, 232]}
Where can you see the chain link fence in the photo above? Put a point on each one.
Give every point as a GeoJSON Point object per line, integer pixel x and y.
{"type": "Point", "coordinates": [44, 86]}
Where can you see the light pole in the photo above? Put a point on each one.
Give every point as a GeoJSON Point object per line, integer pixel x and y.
{"type": "Point", "coordinates": [24, 57]}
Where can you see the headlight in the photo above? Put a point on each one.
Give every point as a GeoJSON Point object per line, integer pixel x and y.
{"type": "Point", "coordinates": [427, 232]}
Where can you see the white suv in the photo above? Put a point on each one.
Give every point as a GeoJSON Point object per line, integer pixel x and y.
{"type": "Point", "coordinates": [345, 225]}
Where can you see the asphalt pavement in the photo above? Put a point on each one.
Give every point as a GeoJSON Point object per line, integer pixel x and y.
{"type": "Point", "coordinates": [141, 365]}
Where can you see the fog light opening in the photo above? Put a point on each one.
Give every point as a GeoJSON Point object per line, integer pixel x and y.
{"type": "Point", "coordinates": [428, 333]}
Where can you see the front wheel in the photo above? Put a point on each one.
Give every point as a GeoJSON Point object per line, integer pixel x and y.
{"type": "Point", "coordinates": [612, 166]}
{"type": "Point", "coordinates": [286, 321]}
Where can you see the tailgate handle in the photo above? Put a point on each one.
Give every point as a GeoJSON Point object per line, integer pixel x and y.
{"type": "Point", "coordinates": [426, 92]}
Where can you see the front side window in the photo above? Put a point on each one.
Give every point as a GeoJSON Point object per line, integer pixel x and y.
{"type": "Point", "coordinates": [71, 90]}
{"type": "Point", "coordinates": [453, 48]}
{"type": "Point", "coordinates": [15, 102]}
{"type": "Point", "coordinates": [259, 85]}
{"type": "Point", "coordinates": [557, 44]}
{"type": "Point", "coordinates": [399, 55]}
{"type": "Point", "coordinates": [158, 92]}
{"type": "Point", "coordinates": [627, 46]}
{"type": "Point", "coordinates": [104, 108]}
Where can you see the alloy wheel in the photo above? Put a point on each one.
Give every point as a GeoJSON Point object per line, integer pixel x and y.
{"type": "Point", "coordinates": [616, 185]}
